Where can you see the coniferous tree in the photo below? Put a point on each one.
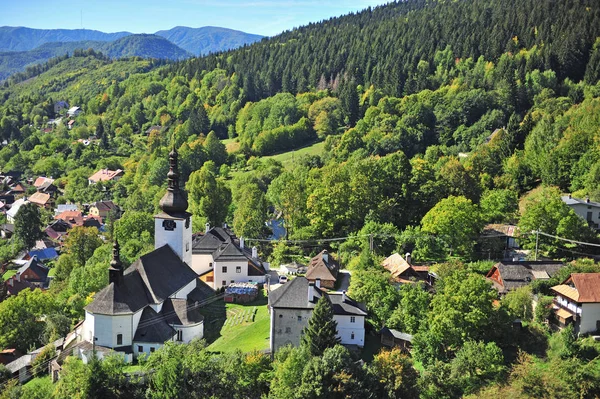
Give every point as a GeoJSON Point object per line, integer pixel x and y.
{"type": "Point", "coordinates": [321, 331]}
{"type": "Point", "coordinates": [28, 224]}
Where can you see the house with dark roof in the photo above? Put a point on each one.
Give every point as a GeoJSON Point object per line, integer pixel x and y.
{"type": "Point", "coordinates": [291, 306]}
{"type": "Point", "coordinates": [220, 258]}
{"type": "Point", "coordinates": [34, 272]}
{"type": "Point", "coordinates": [577, 302]}
{"type": "Point", "coordinates": [510, 275]}
{"type": "Point", "coordinates": [156, 299]}
{"type": "Point", "coordinates": [323, 267]}
{"type": "Point", "coordinates": [585, 209]}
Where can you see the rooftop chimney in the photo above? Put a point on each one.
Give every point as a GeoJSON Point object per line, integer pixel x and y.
{"type": "Point", "coordinates": [318, 283]}
{"type": "Point", "coordinates": [206, 227]}
{"type": "Point", "coordinates": [326, 256]}
{"type": "Point", "coordinates": [587, 199]}
{"type": "Point", "coordinates": [311, 292]}
{"type": "Point", "coordinates": [570, 196]}
{"type": "Point", "coordinates": [408, 258]}
{"type": "Point", "coordinates": [343, 296]}
{"type": "Point", "coordinates": [242, 242]}
{"type": "Point", "coordinates": [254, 253]}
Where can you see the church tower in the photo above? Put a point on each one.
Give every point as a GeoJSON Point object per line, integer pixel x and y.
{"type": "Point", "coordinates": [173, 226]}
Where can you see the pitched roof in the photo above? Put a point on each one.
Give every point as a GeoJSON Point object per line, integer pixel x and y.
{"type": "Point", "coordinates": [105, 175]}
{"type": "Point", "coordinates": [581, 287]}
{"type": "Point", "coordinates": [39, 198]}
{"type": "Point", "coordinates": [37, 268]}
{"type": "Point", "coordinates": [153, 328]}
{"type": "Point", "coordinates": [295, 295]}
{"type": "Point", "coordinates": [567, 199]}
{"type": "Point", "coordinates": [128, 297]}
{"type": "Point", "coordinates": [181, 312]}
{"type": "Point", "coordinates": [40, 181]}
{"type": "Point", "coordinates": [515, 274]}
{"type": "Point", "coordinates": [12, 212]}
{"type": "Point", "coordinates": [396, 334]}
{"type": "Point", "coordinates": [44, 253]}
{"type": "Point", "coordinates": [105, 205]}
{"type": "Point", "coordinates": [322, 266]}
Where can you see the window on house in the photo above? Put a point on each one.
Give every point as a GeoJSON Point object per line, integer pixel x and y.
{"type": "Point", "coordinates": [140, 348]}
{"type": "Point", "coordinates": [352, 319]}
{"type": "Point", "coordinates": [288, 330]}
{"type": "Point", "coordinates": [299, 318]}
{"type": "Point", "coordinates": [179, 335]}
{"type": "Point", "coordinates": [352, 336]}
{"type": "Point", "coordinates": [152, 349]}
{"type": "Point", "coordinates": [232, 281]}
{"type": "Point", "coordinates": [238, 269]}
{"type": "Point", "coordinates": [223, 283]}
{"type": "Point", "coordinates": [210, 265]}
{"type": "Point", "coordinates": [210, 279]}
{"type": "Point", "coordinates": [224, 269]}
{"type": "Point", "coordinates": [119, 339]}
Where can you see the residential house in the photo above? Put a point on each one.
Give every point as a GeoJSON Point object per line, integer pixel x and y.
{"type": "Point", "coordinates": [577, 302]}
{"type": "Point", "coordinates": [105, 175]}
{"type": "Point", "coordinates": [42, 181]}
{"type": "Point", "coordinates": [9, 355]}
{"type": "Point", "coordinates": [7, 230]}
{"type": "Point", "coordinates": [18, 189]}
{"type": "Point", "coordinates": [220, 258]}
{"type": "Point", "coordinates": [323, 267]}
{"type": "Point", "coordinates": [155, 129]}
{"type": "Point", "coordinates": [510, 275]}
{"type": "Point", "coordinates": [43, 254]}
{"type": "Point", "coordinates": [14, 209]}
{"type": "Point", "coordinates": [402, 271]}
{"type": "Point", "coordinates": [70, 124]}
{"type": "Point", "coordinates": [74, 111]}
{"type": "Point", "coordinates": [394, 338]}
{"type": "Point", "coordinates": [291, 307]}
{"type": "Point", "coordinates": [498, 241]}
{"type": "Point", "coordinates": [57, 229]}
{"type": "Point", "coordinates": [155, 299]}
{"type": "Point", "coordinates": [103, 209]}
{"type": "Point", "coordinates": [65, 207]}
{"type": "Point", "coordinates": [42, 200]}
{"type": "Point", "coordinates": [16, 284]}
{"type": "Point", "coordinates": [60, 106]}
{"type": "Point", "coordinates": [74, 218]}
{"type": "Point", "coordinates": [34, 272]}
{"type": "Point", "coordinates": [585, 209]}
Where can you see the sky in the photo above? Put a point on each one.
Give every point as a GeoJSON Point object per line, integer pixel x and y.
{"type": "Point", "coordinates": [263, 17]}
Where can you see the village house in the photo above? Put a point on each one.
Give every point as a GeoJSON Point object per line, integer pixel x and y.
{"type": "Point", "coordinates": [402, 271]}
{"type": "Point", "coordinates": [510, 275]}
{"type": "Point", "coordinates": [60, 106]}
{"type": "Point", "coordinates": [577, 302]}
{"type": "Point", "coordinates": [103, 209]}
{"type": "Point", "coordinates": [14, 209]}
{"type": "Point", "coordinates": [74, 111]}
{"type": "Point", "coordinates": [323, 267]}
{"type": "Point", "coordinates": [585, 209]}
{"type": "Point", "coordinates": [41, 199]}
{"type": "Point", "coordinates": [394, 338]}
{"type": "Point", "coordinates": [105, 175]}
{"type": "Point", "coordinates": [7, 230]}
{"type": "Point", "coordinates": [156, 299]}
{"type": "Point", "coordinates": [220, 258]}
{"type": "Point", "coordinates": [291, 306]}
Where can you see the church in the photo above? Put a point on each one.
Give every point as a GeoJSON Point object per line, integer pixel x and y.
{"type": "Point", "coordinates": [157, 298]}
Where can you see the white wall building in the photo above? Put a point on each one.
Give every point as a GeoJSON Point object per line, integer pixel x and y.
{"type": "Point", "coordinates": [155, 299]}
{"type": "Point", "coordinates": [586, 209]}
{"type": "Point", "coordinates": [577, 302]}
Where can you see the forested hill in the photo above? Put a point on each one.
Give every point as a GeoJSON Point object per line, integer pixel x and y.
{"type": "Point", "coordinates": [208, 39]}
{"type": "Point", "coordinates": [392, 45]}
{"type": "Point", "coordinates": [18, 38]}
{"type": "Point", "coordinates": [146, 46]}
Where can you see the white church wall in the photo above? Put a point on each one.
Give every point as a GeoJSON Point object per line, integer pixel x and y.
{"type": "Point", "coordinates": [179, 239]}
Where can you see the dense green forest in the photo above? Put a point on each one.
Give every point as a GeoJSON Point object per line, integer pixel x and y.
{"type": "Point", "coordinates": [437, 118]}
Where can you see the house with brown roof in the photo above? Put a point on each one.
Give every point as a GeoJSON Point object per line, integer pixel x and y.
{"type": "Point", "coordinates": [577, 302]}
{"type": "Point", "coordinates": [510, 275]}
{"type": "Point", "coordinates": [42, 200]}
{"type": "Point", "coordinates": [105, 175]}
{"type": "Point", "coordinates": [323, 267]}
{"type": "Point", "coordinates": [402, 270]}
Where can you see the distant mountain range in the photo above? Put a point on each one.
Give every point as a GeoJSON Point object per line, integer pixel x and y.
{"type": "Point", "coordinates": [21, 47]}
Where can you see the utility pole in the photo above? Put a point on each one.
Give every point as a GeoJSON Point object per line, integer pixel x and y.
{"type": "Point", "coordinates": [537, 240]}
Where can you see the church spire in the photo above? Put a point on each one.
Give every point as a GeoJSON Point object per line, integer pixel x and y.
{"type": "Point", "coordinates": [174, 200]}
{"type": "Point", "coordinates": [115, 271]}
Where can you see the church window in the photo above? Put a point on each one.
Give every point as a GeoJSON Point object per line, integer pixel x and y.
{"type": "Point", "coordinates": [288, 330]}
{"type": "Point", "coordinates": [238, 269]}
{"type": "Point", "coordinates": [224, 269]}
{"type": "Point", "coordinates": [169, 225]}
{"type": "Point", "coordinates": [119, 339]}
{"type": "Point", "coordinates": [299, 318]}
{"type": "Point", "coordinates": [187, 223]}
{"type": "Point", "coordinates": [179, 335]}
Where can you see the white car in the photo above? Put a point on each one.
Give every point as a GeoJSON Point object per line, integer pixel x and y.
{"type": "Point", "coordinates": [283, 279]}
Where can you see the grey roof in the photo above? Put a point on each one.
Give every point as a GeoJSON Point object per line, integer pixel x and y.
{"type": "Point", "coordinates": [225, 246]}
{"type": "Point", "coordinates": [163, 273]}
{"type": "Point", "coordinates": [153, 328]}
{"type": "Point", "coordinates": [574, 201]}
{"type": "Point", "coordinates": [519, 274]}
{"type": "Point", "coordinates": [181, 312]}
{"type": "Point", "coordinates": [40, 270]}
{"type": "Point", "coordinates": [18, 364]}
{"type": "Point", "coordinates": [396, 334]}
{"type": "Point", "coordinates": [294, 295]}
{"type": "Point", "coordinates": [128, 297]}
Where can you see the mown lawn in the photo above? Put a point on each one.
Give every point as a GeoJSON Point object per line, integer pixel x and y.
{"type": "Point", "coordinates": [246, 328]}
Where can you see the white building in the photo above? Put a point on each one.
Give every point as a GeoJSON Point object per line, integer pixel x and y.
{"type": "Point", "coordinates": [586, 209]}
{"type": "Point", "coordinates": [14, 209]}
{"type": "Point", "coordinates": [577, 302]}
{"type": "Point", "coordinates": [221, 259]}
{"type": "Point", "coordinates": [74, 111]}
{"type": "Point", "coordinates": [156, 298]}
{"type": "Point", "coordinates": [291, 306]}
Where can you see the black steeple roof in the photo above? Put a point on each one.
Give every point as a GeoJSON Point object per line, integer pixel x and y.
{"type": "Point", "coordinates": [173, 202]}
{"type": "Point", "coordinates": [115, 271]}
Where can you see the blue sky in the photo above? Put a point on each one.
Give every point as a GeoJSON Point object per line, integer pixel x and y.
{"type": "Point", "coordinates": [265, 17]}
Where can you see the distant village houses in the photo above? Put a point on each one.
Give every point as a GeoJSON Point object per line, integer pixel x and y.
{"type": "Point", "coordinates": [585, 209]}
{"type": "Point", "coordinates": [105, 175]}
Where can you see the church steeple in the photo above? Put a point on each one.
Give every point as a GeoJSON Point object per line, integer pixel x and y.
{"type": "Point", "coordinates": [115, 271]}
{"type": "Point", "coordinates": [174, 201]}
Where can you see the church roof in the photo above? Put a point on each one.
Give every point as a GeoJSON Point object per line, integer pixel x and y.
{"type": "Point", "coordinates": [181, 312]}
{"type": "Point", "coordinates": [174, 202]}
{"type": "Point", "coordinates": [153, 328]}
{"type": "Point", "coordinates": [150, 279]}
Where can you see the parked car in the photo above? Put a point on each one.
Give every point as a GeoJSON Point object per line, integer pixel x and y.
{"type": "Point", "coordinates": [283, 279]}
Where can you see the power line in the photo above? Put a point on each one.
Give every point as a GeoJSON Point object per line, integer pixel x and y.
{"type": "Point", "coordinates": [568, 240]}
